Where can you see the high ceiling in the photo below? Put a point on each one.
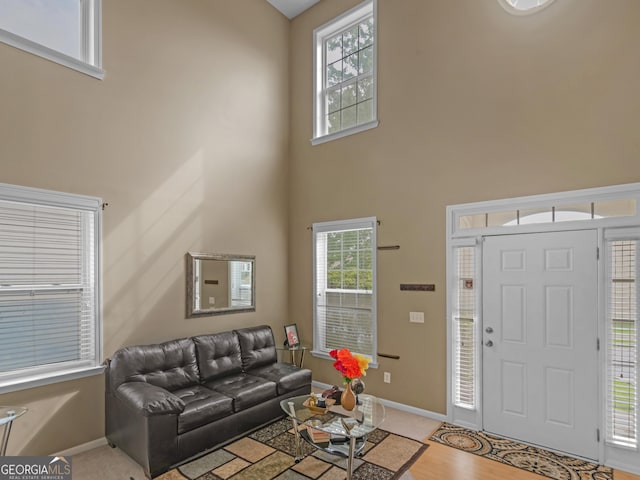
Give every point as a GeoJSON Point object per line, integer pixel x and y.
{"type": "Point", "coordinates": [292, 8]}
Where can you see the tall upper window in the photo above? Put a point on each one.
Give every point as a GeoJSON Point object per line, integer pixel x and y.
{"type": "Point", "coordinates": [63, 31]}
{"type": "Point", "coordinates": [345, 286]}
{"type": "Point", "coordinates": [49, 286]}
{"type": "Point", "coordinates": [345, 74]}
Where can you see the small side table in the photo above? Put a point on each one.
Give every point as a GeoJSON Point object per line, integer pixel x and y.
{"type": "Point", "coordinates": [296, 354]}
{"type": "Point", "coordinates": [7, 416]}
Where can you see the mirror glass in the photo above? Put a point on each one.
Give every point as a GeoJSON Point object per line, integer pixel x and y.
{"type": "Point", "coordinates": [220, 283]}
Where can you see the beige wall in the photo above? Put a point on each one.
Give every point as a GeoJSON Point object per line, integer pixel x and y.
{"type": "Point", "coordinates": [186, 139]}
{"type": "Point", "coordinates": [474, 104]}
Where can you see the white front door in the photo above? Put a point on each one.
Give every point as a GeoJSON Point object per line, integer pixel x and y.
{"type": "Point", "coordinates": [540, 360]}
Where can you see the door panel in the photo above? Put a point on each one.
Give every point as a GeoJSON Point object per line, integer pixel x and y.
{"type": "Point", "coordinates": [514, 398]}
{"type": "Point", "coordinates": [540, 382]}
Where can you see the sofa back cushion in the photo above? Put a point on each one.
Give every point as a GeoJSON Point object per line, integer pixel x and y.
{"type": "Point", "coordinates": [257, 346]}
{"type": "Point", "coordinates": [218, 355]}
{"type": "Point", "coordinates": [170, 365]}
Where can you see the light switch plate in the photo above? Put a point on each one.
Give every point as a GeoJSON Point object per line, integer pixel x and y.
{"type": "Point", "coordinates": [416, 317]}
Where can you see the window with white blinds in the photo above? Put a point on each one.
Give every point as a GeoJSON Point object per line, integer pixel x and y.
{"type": "Point", "coordinates": [464, 315]}
{"type": "Point", "coordinates": [622, 347]}
{"type": "Point", "coordinates": [49, 285]}
{"type": "Point", "coordinates": [345, 286]}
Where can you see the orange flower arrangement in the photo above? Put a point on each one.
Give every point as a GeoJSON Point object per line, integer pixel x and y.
{"type": "Point", "coordinates": [350, 365]}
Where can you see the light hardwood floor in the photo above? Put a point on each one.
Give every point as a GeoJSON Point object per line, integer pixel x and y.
{"type": "Point", "coordinates": [441, 462]}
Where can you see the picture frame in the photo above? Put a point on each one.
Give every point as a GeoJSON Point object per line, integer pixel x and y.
{"type": "Point", "coordinates": [291, 336]}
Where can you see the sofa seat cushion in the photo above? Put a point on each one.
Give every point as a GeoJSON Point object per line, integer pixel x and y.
{"type": "Point", "coordinates": [202, 406]}
{"type": "Point", "coordinates": [287, 377]}
{"type": "Point", "coordinates": [246, 390]}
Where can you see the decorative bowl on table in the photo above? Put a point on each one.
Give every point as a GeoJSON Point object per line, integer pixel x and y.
{"type": "Point", "coordinates": [313, 406]}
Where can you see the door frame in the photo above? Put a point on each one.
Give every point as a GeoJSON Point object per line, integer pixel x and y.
{"type": "Point", "coordinates": [464, 230]}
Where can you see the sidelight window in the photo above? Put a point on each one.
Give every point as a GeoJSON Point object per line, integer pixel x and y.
{"type": "Point", "coordinates": [622, 391]}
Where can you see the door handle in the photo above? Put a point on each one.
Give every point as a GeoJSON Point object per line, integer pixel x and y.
{"type": "Point", "coordinates": [489, 343]}
{"type": "Point", "coordinates": [488, 330]}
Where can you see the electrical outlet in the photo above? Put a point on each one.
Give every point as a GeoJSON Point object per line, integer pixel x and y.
{"type": "Point", "coordinates": [387, 377]}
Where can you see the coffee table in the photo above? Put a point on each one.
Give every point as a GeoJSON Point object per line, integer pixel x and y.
{"type": "Point", "coordinates": [7, 416]}
{"type": "Point", "coordinates": [348, 430]}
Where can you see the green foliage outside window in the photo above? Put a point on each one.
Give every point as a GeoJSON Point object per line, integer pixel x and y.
{"type": "Point", "coordinates": [349, 260]}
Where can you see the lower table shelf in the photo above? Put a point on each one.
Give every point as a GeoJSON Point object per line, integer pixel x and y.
{"type": "Point", "coordinates": [340, 448]}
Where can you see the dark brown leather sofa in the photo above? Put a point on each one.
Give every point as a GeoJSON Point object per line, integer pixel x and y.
{"type": "Point", "coordinates": [166, 403]}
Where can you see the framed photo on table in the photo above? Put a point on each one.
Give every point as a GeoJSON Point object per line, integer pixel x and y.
{"type": "Point", "coordinates": [291, 334]}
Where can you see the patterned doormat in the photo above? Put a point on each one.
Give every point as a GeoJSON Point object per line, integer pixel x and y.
{"type": "Point", "coordinates": [532, 459]}
{"type": "Point", "coordinates": [268, 454]}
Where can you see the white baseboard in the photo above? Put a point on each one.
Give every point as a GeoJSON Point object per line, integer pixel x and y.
{"type": "Point", "coordinates": [398, 406]}
{"type": "Point", "coordinates": [85, 447]}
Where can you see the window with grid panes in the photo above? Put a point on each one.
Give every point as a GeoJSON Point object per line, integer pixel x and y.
{"type": "Point", "coordinates": [345, 78]}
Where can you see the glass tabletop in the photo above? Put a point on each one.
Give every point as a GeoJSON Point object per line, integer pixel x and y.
{"type": "Point", "coordinates": [363, 419]}
{"type": "Point", "coordinates": [9, 414]}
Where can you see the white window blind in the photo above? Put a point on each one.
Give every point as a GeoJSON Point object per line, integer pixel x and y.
{"type": "Point", "coordinates": [464, 315]}
{"type": "Point", "coordinates": [49, 313]}
{"type": "Point", "coordinates": [622, 400]}
{"type": "Point", "coordinates": [345, 286]}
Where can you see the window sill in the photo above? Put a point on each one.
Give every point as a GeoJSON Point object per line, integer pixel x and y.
{"type": "Point", "coordinates": [344, 133]}
{"type": "Point", "coordinates": [39, 380]}
{"type": "Point", "coordinates": [51, 55]}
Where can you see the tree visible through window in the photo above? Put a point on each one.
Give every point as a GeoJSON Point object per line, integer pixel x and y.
{"type": "Point", "coordinates": [345, 77]}
{"type": "Point", "coordinates": [349, 77]}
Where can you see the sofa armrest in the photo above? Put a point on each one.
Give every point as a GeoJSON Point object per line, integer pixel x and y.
{"type": "Point", "coordinates": [148, 399]}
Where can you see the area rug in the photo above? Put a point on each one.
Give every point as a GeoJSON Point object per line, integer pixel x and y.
{"type": "Point", "coordinates": [268, 454]}
{"type": "Point", "coordinates": [532, 459]}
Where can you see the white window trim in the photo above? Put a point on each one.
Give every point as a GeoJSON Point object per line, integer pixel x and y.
{"type": "Point", "coordinates": [333, 226]}
{"type": "Point", "coordinates": [39, 376]}
{"type": "Point", "coordinates": [341, 22]}
{"type": "Point", "coordinates": [612, 455]}
{"type": "Point", "coordinates": [91, 43]}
